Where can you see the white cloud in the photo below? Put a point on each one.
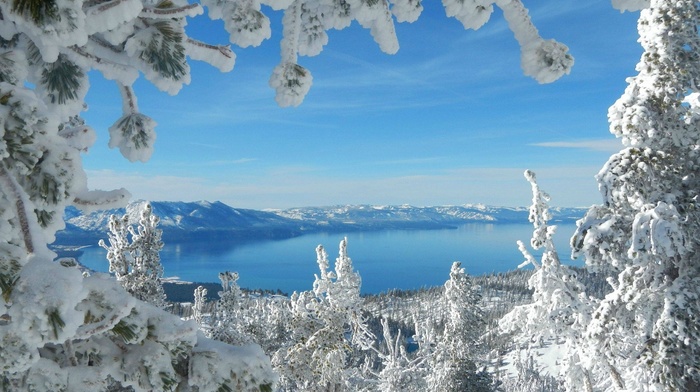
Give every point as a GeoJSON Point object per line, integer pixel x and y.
{"type": "Point", "coordinates": [550, 10]}
{"type": "Point", "coordinates": [155, 188]}
{"type": "Point", "coordinates": [229, 162]}
{"type": "Point", "coordinates": [410, 161]}
{"type": "Point", "coordinates": [604, 145]}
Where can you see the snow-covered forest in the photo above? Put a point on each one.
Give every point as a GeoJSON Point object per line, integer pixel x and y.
{"type": "Point", "coordinates": [63, 330]}
{"type": "Point", "coordinates": [465, 335]}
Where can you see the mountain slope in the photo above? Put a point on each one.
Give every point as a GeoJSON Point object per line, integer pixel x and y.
{"type": "Point", "coordinates": [190, 221]}
{"type": "Point", "coordinates": [181, 221]}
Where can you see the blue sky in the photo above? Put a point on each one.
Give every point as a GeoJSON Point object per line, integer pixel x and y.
{"type": "Point", "coordinates": [450, 119]}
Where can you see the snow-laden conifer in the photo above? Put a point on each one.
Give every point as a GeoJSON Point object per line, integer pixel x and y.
{"type": "Point", "coordinates": [325, 322]}
{"type": "Point", "coordinates": [454, 362]}
{"type": "Point", "coordinates": [200, 299]}
{"type": "Point", "coordinates": [134, 256]}
{"type": "Point", "coordinates": [560, 310]}
{"type": "Point", "coordinates": [644, 235]}
{"type": "Point", "coordinates": [147, 244]}
{"type": "Point", "coordinates": [226, 323]}
{"type": "Point", "coordinates": [400, 372]}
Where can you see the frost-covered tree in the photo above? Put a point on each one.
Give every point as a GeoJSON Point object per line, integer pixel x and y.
{"type": "Point", "coordinates": [200, 299]}
{"type": "Point", "coordinates": [119, 248]}
{"type": "Point", "coordinates": [400, 371]}
{"type": "Point", "coordinates": [62, 331]}
{"type": "Point", "coordinates": [453, 364]}
{"type": "Point", "coordinates": [645, 235]}
{"type": "Point", "coordinates": [560, 309]}
{"type": "Point", "coordinates": [266, 320]}
{"type": "Point", "coordinates": [239, 317]}
{"type": "Point", "coordinates": [325, 323]}
{"type": "Point", "coordinates": [529, 376]}
{"type": "Point", "coordinates": [147, 243]}
{"type": "Point", "coordinates": [227, 320]}
{"type": "Point", "coordinates": [135, 261]}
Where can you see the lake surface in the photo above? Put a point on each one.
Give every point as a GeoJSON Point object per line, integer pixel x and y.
{"type": "Point", "coordinates": [405, 259]}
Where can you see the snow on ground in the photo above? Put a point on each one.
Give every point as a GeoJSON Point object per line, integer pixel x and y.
{"type": "Point", "coordinates": [547, 359]}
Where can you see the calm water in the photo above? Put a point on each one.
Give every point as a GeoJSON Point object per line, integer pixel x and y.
{"type": "Point", "coordinates": [385, 259]}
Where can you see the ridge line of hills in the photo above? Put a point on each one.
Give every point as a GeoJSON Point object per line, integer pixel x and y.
{"type": "Point", "coordinates": [193, 221]}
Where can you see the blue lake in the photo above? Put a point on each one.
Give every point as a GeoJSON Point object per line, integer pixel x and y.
{"type": "Point", "coordinates": [405, 259]}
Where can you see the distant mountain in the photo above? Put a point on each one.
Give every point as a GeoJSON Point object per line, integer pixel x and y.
{"type": "Point", "coordinates": [406, 216]}
{"type": "Point", "coordinates": [181, 221]}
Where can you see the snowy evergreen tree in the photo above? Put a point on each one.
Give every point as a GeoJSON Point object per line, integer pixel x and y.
{"type": "Point", "coordinates": [560, 307]}
{"type": "Point", "coordinates": [266, 320]}
{"type": "Point", "coordinates": [645, 235]}
{"type": "Point", "coordinates": [325, 323]}
{"type": "Point", "coordinates": [62, 331]}
{"type": "Point", "coordinates": [560, 310]}
{"type": "Point", "coordinates": [147, 246]}
{"type": "Point", "coordinates": [240, 317]}
{"type": "Point", "coordinates": [135, 262]}
{"type": "Point", "coordinates": [529, 378]}
{"type": "Point", "coordinates": [400, 372]}
{"type": "Point", "coordinates": [200, 298]}
{"type": "Point", "coordinates": [119, 249]}
{"type": "Point", "coordinates": [454, 365]}
{"type": "Point", "coordinates": [227, 320]}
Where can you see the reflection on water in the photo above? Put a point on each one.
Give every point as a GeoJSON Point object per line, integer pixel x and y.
{"type": "Point", "coordinates": [403, 259]}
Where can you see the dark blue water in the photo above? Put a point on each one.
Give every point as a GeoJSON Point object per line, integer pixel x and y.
{"type": "Point", "coordinates": [404, 259]}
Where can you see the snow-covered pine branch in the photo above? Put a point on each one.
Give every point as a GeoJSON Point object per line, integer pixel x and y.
{"type": "Point", "coordinates": [400, 373]}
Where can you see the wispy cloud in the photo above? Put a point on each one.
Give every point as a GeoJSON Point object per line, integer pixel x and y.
{"type": "Point", "coordinates": [411, 161]}
{"type": "Point", "coordinates": [451, 67]}
{"type": "Point", "coordinates": [549, 10]}
{"type": "Point", "coordinates": [292, 170]}
{"type": "Point", "coordinates": [143, 186]}
{"type": "Point", "coordinates": [203, 163]}
{"type": "Point", "coordinates": [230, 162]}
{"type": "Point", "coordinates": [604, 145]}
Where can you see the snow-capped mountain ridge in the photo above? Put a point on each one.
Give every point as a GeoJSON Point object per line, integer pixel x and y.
{"type": "Point", "coordinates": [443, 214]}
{"type": "Point", "coordinates": [215, 220]}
